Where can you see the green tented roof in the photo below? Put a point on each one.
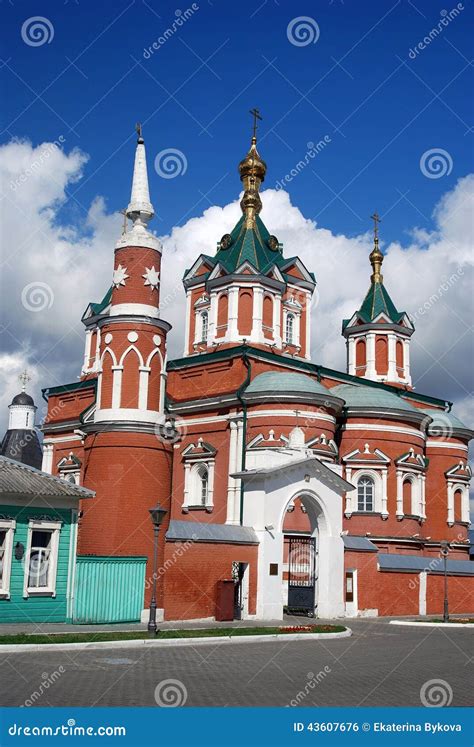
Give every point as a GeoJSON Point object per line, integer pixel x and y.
{"type": "Point", "coordinates": [377, 301]}
{"type": "Point", "coordinates": [249, 245]}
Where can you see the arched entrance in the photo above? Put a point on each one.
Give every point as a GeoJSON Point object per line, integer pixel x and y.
{"type": "Point", "coordinates": [300, 557]}
{"type": "Point", "coordinates": [269, 492]}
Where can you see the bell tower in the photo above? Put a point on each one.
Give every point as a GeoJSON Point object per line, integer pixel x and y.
{"type": "Point", "coordinates": [127, 455]}
{"type": "Point", "coordinates": [377, 335]}
{"type": "Point", "coordinates": [132, 358]}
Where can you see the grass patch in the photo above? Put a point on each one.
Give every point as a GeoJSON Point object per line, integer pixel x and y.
{"type": "Point", "coordinates": [23, 638]}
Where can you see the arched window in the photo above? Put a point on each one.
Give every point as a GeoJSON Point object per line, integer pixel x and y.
{"type": "Point", "coordinates": [290, 329]}
{"type": "Point", "coordinates": [407, 496]}
{"type": "Point", "coordinates": [204, 326]}
{"type": "Point", "coordinates": [203, 476]}
{"type": "Point", "coordinates": [458, 505]}
{"type": "Point", "coordinates": [365, 494]}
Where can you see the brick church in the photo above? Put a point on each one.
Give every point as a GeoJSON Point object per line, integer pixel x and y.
{"type": "Point", "coordinates": [325, 492]}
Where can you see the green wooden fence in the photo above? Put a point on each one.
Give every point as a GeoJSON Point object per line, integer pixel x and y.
{"type": "Point", "coordinates": [109, 590]}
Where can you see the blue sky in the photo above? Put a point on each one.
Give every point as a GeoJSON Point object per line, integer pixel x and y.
{"type": "Point", "coordinates": [357, 85]}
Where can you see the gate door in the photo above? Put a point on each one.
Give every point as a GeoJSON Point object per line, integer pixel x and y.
{"type": "Point", "coordinates": [301, 574]}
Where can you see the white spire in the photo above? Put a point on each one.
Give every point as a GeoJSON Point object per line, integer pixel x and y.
{"type": "Point", "coordinates": [140, 208]}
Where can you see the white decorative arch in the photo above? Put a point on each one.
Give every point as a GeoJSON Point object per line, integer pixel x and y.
{"type": "Point", "coordinates": [129, 350]}
{"type": "Point", "coordinates": [112, 355]}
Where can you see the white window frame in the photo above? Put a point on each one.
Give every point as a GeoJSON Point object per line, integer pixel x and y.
{"type": "Point", "coordinates": [417, 506]}
{"type": "Point", "coordinates": [8, 526]}
{"type": "Point", "coordinates": [48, 526]}
{"type": "Point", "coordinates": [454, 486]}
{"type": "Point", "coordinates": [193, 485]}
{"type": "Point", "coordinates": [379, 476]}
{"type": "Point", "coordinates": [369, 482]}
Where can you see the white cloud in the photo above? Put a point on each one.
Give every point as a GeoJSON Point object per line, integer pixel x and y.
{"type": "Point", "coordinates": [73, 259]}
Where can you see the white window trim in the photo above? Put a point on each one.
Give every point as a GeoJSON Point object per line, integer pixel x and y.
{"type": "Point", "coordinates": [417, 507]}
{"type": "Point", "coordinates": [379, 476]}
{"type": "Point", "coordinates": [453, 486]}
{"type": "Point", "coordinates": [8, 525]}
{"type": "Point", "coordinates": [55, 528]}
{"type": "Point", "coordinates": [296, 314]}
{"type": "Point", "coordinates": [191, 497]}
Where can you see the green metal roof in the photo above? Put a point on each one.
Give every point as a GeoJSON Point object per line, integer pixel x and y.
{"type": "Point", "coordinates": [443, 421]}
{"type": "Point", "coordinates": [364, 396]}
{"type": "Point", "coordinates": [377, 301]}
{"type": "Point", "coordinates": [250, 245]}
{"type": "Point", "coordinates": [97, 308]}
{"type": "Point", "coordinates": [275, 381]}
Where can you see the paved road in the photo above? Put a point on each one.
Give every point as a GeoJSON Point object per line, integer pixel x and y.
{"type": "Point", "coordinates": [380, 665]}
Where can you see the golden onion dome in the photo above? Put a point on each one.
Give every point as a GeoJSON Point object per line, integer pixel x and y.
{"type": "Point", "coordinates": [253, 165]}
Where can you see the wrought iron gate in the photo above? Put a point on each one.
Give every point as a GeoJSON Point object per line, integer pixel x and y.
{"type": "Point", "coordinates": [238, 570]}
{"type": "Point", "coordinates": [301, 574]}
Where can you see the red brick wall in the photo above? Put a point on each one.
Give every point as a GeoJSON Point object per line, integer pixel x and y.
{"type": "Point", "coordinates": [130, 473]}
{"type": "Point", "coordinates": [193, 572]}
{"type": "Point", "coordinates": [460, 594]}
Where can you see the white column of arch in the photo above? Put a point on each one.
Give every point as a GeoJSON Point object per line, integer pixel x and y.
{"type": "Point", "coordinates": [277, 320]}
{"type": "Point", "coordinates": [423, 496]}
{"type": "Point", "coordinates": [370, 371]}
{"type": "Point", "coordinates": [233, 314]}
{"type": "Point", "coordinates": [384, 494]}
{"type": "Point", "coordinates": [400, 513]}
{"type": "Point", "coordinates": [87, 350]}
{"type": "Point", "coordinates": [257, 315]}
{"type": "Point", "coordinates": [308, 326]}
{"type": "Point", "coordinates": [392, 357]}
{"type": "Point", "coordinates": [143, 387]}
{"type": "Point", "coordinates": [450, 518]}
{"type": "Point", "coordinates": [116, 386]}
{"type": "Point", "coordinates": [187, 323]}
{"type": "Point", "coordinates": [211, 335]}
{"type": "Point", "coordinates": [350, 495]}
{"type": "Point", "coordinates": [351, 346]}
{"type": "Point", "coordinates": [465, 504]}
{"type": "Point", "coordinates": [47, 465]}
{"type": "Point", "coordinates": [232, 468]}
{"type": "Point", "coordinates": [406, 361]}
{"type": "Point", "coordinates": [238, 482]}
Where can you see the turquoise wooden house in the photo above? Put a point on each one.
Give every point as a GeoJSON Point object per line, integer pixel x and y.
{"type": "Point", "coordinates": [38, 539]}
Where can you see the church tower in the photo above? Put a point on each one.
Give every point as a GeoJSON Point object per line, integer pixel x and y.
{"type": "Point", "coordinates": [127, 456]}
{"type": "Point", "coordinates": [21, 442]}
{"type": "Point", "coordinates": [377, 335]}
{"type": "Point", "coordinates": [248, 292]}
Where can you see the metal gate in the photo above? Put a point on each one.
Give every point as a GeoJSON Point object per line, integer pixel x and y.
{"type": "Point", "coordinates": [301, 574]}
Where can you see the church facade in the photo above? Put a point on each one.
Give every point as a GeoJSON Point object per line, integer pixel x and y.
{"type": "Point", "coordinates": [326, 492]}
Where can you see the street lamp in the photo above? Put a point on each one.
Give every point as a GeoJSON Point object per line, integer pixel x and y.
{"type": "Point", "coordinates": [157, 515]}
{"type": "Point", "coordinates": [445, 553]}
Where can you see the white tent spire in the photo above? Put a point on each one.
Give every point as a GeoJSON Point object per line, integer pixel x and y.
{"type": "Point", "coordinates": [140, 209]}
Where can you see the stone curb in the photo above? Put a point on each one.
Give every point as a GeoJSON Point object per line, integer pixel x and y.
{"type": "Point", "coordinates": [422, 624]}
{"type": "Point", "coordinates": [165, 642]}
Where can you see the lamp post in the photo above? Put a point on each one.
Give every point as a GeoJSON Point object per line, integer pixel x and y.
{"type": "Point", "coordinates": [445, 553]}
{"type": "Point", "coordinates": [157, 515]}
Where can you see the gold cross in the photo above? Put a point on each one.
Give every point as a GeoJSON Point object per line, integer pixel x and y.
{"type": "Point", "coordinates": [376, 218]}
{"type": "Point", "coordinates": [256, 115]}
{"type": "Point", "coordinates": [24, 378]}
